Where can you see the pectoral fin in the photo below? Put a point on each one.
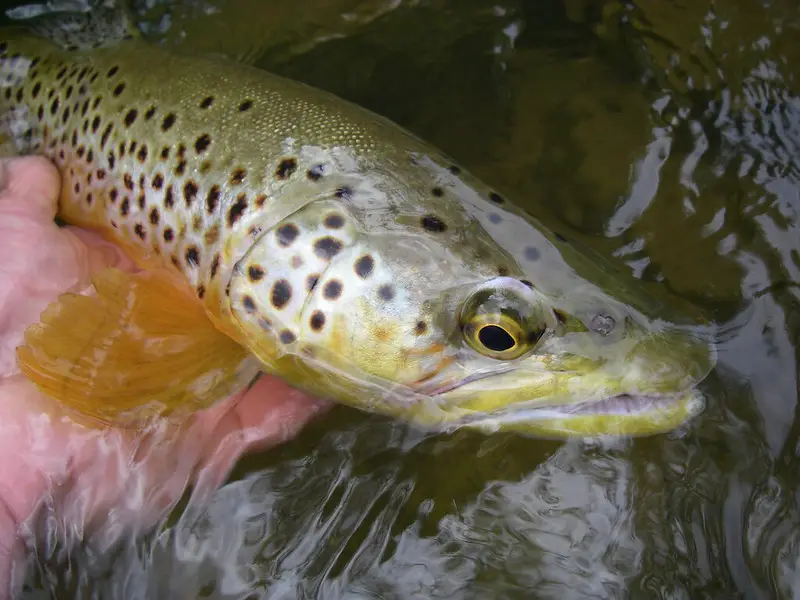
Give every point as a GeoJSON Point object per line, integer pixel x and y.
{"type": "Point", "coordinates": [141, 346]}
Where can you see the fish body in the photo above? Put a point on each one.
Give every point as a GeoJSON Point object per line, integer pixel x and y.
{"type": "Point", "coordinates": [343, 253]}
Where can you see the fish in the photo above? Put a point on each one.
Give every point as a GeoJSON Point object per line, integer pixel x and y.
{"type": "Point", "coordinates": [281, 229]}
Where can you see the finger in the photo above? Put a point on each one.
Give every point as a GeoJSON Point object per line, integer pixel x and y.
{"type": "Point", "coordinates": [30, 187]}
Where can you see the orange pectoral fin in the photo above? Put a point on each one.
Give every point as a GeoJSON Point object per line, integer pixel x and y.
{"type": "Point", "coordinates": [141, 346]}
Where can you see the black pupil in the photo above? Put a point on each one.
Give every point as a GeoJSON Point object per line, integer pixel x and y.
{"type": "Point", "coordinates": [496, 338]}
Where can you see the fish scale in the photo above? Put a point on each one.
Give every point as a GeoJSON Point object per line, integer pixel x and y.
{"type": "Point", "coordinates": [337, 249]}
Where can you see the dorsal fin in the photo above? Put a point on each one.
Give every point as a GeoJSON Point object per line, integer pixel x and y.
{"type": "Point", "coordinates": [79, 25]}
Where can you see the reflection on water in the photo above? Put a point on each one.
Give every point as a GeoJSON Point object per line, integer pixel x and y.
{"type": "Point", "coordinates": [666, 134]}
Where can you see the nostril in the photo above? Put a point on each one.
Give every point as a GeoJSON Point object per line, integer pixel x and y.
{"type": "Point", "coordinates": [602, 324]}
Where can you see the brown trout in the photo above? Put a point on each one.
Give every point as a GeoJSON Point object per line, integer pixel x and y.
{"type": "Point", "coordinates": [282, 229]}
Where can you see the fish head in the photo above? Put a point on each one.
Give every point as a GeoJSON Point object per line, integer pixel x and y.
{"type": "Point", "coordinates": [407, 324]}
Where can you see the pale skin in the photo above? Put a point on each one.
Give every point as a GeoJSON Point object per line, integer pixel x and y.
{"type": "Point", "coordinates": [42, 448]}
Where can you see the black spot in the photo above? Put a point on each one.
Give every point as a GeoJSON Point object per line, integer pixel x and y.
{"type": "Point", "coordinates": [496, 198]}
{"type": "Point", "coordinates": [237, 209]}
{"type": "Point", "coordinates": [215, 265]}
{"type": "Point", "coordinates": [438, 192]}
{"type": "Point", "coordinates": [345, 192]}
{"type": "Point", "coordinates": [386, 292]}
{"type": "Point", "coordinates": [531, 253]}
{"type": "Point", "coordinates": [104, 137]}
{"type": "Point", "coordinates": [246, 105]}
{"type": "Point", "coordinates": [255, 273]}
{"type": "Point", "coordinates": [141, 200]}
{"type": "Point", "coordinates": [165, 153]}
{"type": "Point", "coordinates": [327, 247]}
{"type": "Point", "coordinates": [149, 113]}
{"type": "Point", "coordinates": [54, 107]}
{"type": "Point", "coordinates": [312, 281]}
{"type": "Point", "coordinates": [364, 266]}
{"type": "Point", "coordinates": [433, 223]}
{"type": "Point", "coordinates": [260, 200]}
{"type": "Point", "coordinates": [281, 293]}
{"type": "Point", "coordinates": [202, 143]}
{"type": "Point", "coordinates": [454, 169]}
{"type": "Point", "coordinates": [286, 168]}
{"type": "Point", "coordinates": [130, 117]}
{"type": "Point", "coordinates": [36, 89]}
{"type": "Point", "coordinates": [113, 71]}
{"type": "Point", "coordinates": [201, 291]}
{"type": "Point", "coordinates": [139, 230]}
{"type": "Point", "coordinates": [124, 208]}
{"type": "Point", "coordinates": [287, 234]}
{"type": "Point", "coordinates": [315, 172]}
{"type": "Point", "coordinates": [287, 337]}
{"type": "Point", "coordinates": [317, 320]}
{"type": "Point", "coordinates": [168, 122]}
{"type": "Point", "coordinates": [249, 304]}
{"type": "Point", "coordinates": [332, 289]}
{"type": "Point", "coordinates": [192, 256]}
{"type": "Point", "coordinates": [237, 177]}
{"type": "Point", "coordinates": [111, 160]}
{"type": "Point", "coordinates": [113, 195]}
{"type": "Point", "coordinates": [181, 168]}
{"type": "Point", "coordinates": [169, 199]}
{"type": "Point", "coordinates": [128, 181]}
{"type": "Point", "coordinates": [142, 154]}
{"type": "Point", "coordinates": [420, 328]}
{"type": "Point", "coordinates": [212, 200]}
{"type": "Point", "coordinates": [207, 102]}
{"type": "Point", "coordinates": [154, 216]}
{"type": "Point", "coordinates": [334, 221]}
{"type": "Point", "coordinates": [189, 192]}
{"type": "Point", "coordinates": [119, 89]}
{"type": "Point", "coordinates": [158, 181]}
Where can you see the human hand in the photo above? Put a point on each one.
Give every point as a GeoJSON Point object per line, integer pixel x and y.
{"type": "Point", "coordinates": [107, 477]}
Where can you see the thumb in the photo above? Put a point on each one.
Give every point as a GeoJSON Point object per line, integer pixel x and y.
{"type": "Point", "coordinates": [33, 178]}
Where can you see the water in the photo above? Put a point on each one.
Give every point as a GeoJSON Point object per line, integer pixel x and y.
{"type": "Point", "coordinates": [664, 134]}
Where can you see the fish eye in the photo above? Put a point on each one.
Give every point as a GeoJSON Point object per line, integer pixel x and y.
{"type": "Point", "coordinates": [498, 336]}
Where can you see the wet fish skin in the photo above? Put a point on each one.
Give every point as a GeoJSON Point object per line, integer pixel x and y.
{"type": "Point", "coordinates": [342, 251]}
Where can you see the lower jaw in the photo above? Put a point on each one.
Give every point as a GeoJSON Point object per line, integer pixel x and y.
{"type": "Point", "coordinates": [623, 415]}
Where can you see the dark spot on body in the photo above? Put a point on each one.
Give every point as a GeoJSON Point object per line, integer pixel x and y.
{"type": "Point", "coordinates": [189, 192]}
{"type": "Point", "coordinates": [438, 192]}
{"type": "Point", "coordinates": [287, 337]}
{"type": "Point", "coordinates": [215, 265]}
{"type": "Point", "coordinates": [168, 122]}
{"type": "Point", "coordinates": [128, 181]}
{"type": "Point", "coordinates": [106, 133]}
{"type": "Point", "coordinates": [246, 105]}
{"type": "Point", "coordinates": [119, 89]}
{"type": "Point", "coordinates": [420, 328]}
{"type": "Point", "coordinates": [334, 221]}
{"type": "Point", "coordinates": [207, 102]}
{"type": "Point", "coordinates": [111, 160]}
{"type": "Point", "coordinates": [154, 217]}
{"type": "Point", "coordinates": [502, 271]}
{"type": "Point", "coordinates": [141, 200]}
{"type": "Point", "coordinates": [260, 200]}
{"type": "Point", "coordinates": [315, 172]}
{"type": "Point", "coordinates": [158, 181]}
{"type": "Point", "coordinates": [286, 168]}
{"type": "Point", "coordinates": [386, 292]}
{"type": "Point", "coordinates": [560, 237]}
{"type": "Point", "coordinates": [212, 234]}
{"type": "Point", "coordinates": [327, 247]}
{"type": "Point", "coordinates": [255, 273]}
{"type": "Point", "coordinates": [192, 256]}
{"type": "Point", "coordinates": [237, 209]}
{"type": "Point", "coordinates": [168, 235]}
{"type": "Point", "coordinates": [345, 192]}
{"type": "Point", "coordinates": [454, 169]}
{"type": "Point", "coordinates": [149, 113]}
{"type": "Point", "coordinates": [496, 198]}
{"type": "Point", "coordinates": [238, 175]}
{"type": "Point", "coordinates": [169, 199]}
{"type": "Point", "coordinates": [125, 207]}
{"type": "Point", "coordinates": [332, 289]}
{"type": "Point", "coordinates": [286, 234]}
{"type": "Point", "coordinates": [312, 281]}
{"type": "Point", "coordinates": [433, 223]}
{"type": "Point", "coordinates": [249, 304]}
{"type": "Point", "coordinates": [113, 195]}
{"type": "Point", "coordinates": [139, 231]}
{"type": "Point", "coordinates": [202, 143]}
{"type": "Point", "coordinates": [112, 71]}
{"type": "Point", "coordinates": [201, 291]}
{"type": "Point", "coordinates": [317, 320]}
{"type": "Point", "coordinates": [180, 168]}
{"type": "Point", "coordinates": [364, 266]}
{"type": "Point", "coordinates": [54, 107]}
{"type": "Point", "coordinates": [36, 89]}
{"type": "Point", "coordinates": [212, 199]}
{"type": "Point", "coordinates": [142, 154]}
{"type": "Point", "coordinates": [165, 153]}
{"type": "Point", "coordinates": [130, 117]}
{"type": "Point", "coordinates": [281, 294]}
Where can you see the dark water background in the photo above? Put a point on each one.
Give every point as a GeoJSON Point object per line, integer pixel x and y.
{"type": "Point", "coordinates": [663, 133]}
